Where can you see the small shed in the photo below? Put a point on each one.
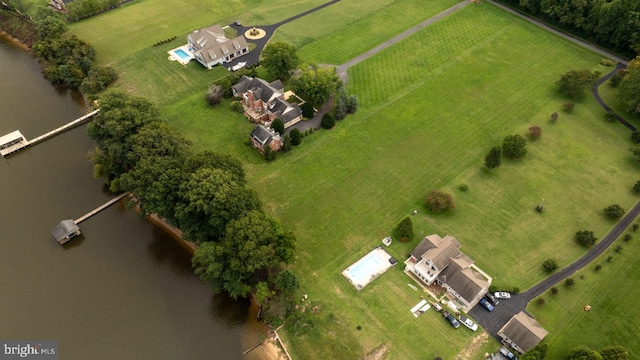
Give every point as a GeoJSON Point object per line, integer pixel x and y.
{"type": "Point", "coordinates": [65, 231]}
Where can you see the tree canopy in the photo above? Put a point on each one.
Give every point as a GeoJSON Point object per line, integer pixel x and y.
{"type": "Point", "coordinates": [438, 201]}
{"type": "Point", "coordinates": [574, 83]}
{"type": "Point", "coordinates": [316, 84]}
{"type": "Point", "coordinates": [279, 58]}
{"type": "Point", "coordinates": [493, 158]}
{"type": "Point", "coordinates": [404, 230]}
{"type": "Point", "coordinates": [514, 146]}
{"type": "Point", "coordinates": [242, 259]}
{"type": "Point", "coordinates": [208, 200]}
{"type": "Point", "coordinates": [629, 93]}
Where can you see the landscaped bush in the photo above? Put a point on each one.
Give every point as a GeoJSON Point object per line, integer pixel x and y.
{"type": "Point", "coordinates": [627, 237]}
{"type": "Point", "coordinates": [511, 289]}
{"type": "Point", "coordinates": [307, 110]}
{"type": "Point", "coordinates": [278, 126]}
{"type": "Point", "coordinates": [328, 121]}
{"type": "Point", "coordinates": [635, 137]}
{"type": "Point", "coordinates": [568, 106]}
{"type": "Point", "coordinates": [540, 301]}
{"type": "Point", "coordinates": [296, 137]}
{"type": "Point", "coordinates": [269, 154]}
{"type": "Point", "coordinates": [535, 131]}
{"type": "Point", "coordinates": [635, 227]}
{"type": "Point", "coordinates": [569, 282]}
{"type": "Point", "coordinates": [614, 211]}
{"type": "Point", "coordinates": [585, 238]}
{"type": "Point", "coordinates": [514, 146]}
{"type": "Point", "coordinates": [164, 41]}
{"type": "Point", "coordinates": [404, 230]}
{"type": "Point", "coordinates": [597, 267]}
{"type": "Point", "coordinates": [438, 201]}
{"type": "Point", "coordinates": [554, 291]}
{"type": "Point", "coordinates": [636, 188]}
{"type": "Point", "coordinates": [549, 265]}
{"type": "Point", "coordinates": [214, 94]}
{"type": "Point", "coordinates": [607, 62]}
{"type": "Point", "coordinates": [463, 187]}
{"type": "Point", "coordinates": [554, 117]}
{"type": "Point", "coordinates": [237, 106]}
{"type": "Point", "coordinates": [494, 158]}
{"type": "Point", "coordinates": [618, 248]}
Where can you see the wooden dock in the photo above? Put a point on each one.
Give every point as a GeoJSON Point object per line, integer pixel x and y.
{"type": "Point", "coordinates": [104, 206]}
{"type": "Point", "coordinates": [24, 142]}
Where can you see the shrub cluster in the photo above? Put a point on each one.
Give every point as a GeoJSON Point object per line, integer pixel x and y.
{"type": "Point", "coordinates": [164, 41]}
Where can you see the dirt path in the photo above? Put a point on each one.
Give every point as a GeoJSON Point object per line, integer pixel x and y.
{"type": "Point", "coordinates": [473, 347]}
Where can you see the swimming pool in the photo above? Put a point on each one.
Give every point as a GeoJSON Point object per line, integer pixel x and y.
{"type": "Point", "coordinates": [368, 268]}
{"type": "Point", "coordinates": [182, 54]}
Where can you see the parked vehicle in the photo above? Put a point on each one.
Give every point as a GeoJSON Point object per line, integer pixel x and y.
{"type": "Point", "coordinates": [238, 66]}
{"type": "Point", "coordinates": [507, 354]}
{"type": "Point", "coordinates": [502, 295]}
{"type": "Point", "coordinates": [492, 299]}
{"type": "Point", "coordinates": [451, 319]}
{"type": "Point", "coordinates": [468, 323]}
{"type": "Point", "coordinates": [487, 305]}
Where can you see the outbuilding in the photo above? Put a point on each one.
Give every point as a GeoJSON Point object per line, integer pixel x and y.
{"type": "Point", "coordinates": [65, 231]}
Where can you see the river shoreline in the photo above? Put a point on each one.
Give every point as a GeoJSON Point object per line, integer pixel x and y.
{"type": "Point", "coordinates": [14, 40]}
{"type": "Point", "coordinates": [269, 349]}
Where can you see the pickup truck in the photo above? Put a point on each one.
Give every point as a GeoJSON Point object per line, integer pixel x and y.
{"type": "Point", "coordinates": [451, 319]}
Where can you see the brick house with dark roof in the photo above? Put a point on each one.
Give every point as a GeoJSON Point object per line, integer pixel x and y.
{"type": "Point", "coordinates": [440, 261]}
{"type": "Point", "coordinates": [262, 136]}
{"type": "Point", "coordinates": [522, 333]}
{"type": "Point", "coordinates": [264, 102]}
{"type": "Point", "coordinates": [210, 46]}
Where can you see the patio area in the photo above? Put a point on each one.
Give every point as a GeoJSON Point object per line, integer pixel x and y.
{"type": "Point", "coordinates": [181, 54]}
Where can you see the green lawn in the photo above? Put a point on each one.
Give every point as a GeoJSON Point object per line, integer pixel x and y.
{"type": "Point", "coordinates": [470, 79]}
{"type": "Point", "coordinates": [613, 294]}
{"type": "Point", "coordinates": [349, 28]}
{"type": "Point", "coordinates": [430, 109]}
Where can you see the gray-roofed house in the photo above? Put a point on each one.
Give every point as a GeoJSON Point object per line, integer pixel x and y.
{"type": "Point", "coordinates": [262, 136]}
{"type": "Point", "coordinates": [210, 46]}
{"type": "Point", "coordinates": [522, 332]}
{"type": "Point", "coordinates": [440, 261]}
{"type": "Point", "coordinates": [60, 5]}
{"type": "Point", "coordinates": [264, 102]}
{"type": "Point", "coordinates": [65, 231]}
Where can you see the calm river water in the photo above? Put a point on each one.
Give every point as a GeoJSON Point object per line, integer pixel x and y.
{"type": "Point", "coordinates": [125, 290]}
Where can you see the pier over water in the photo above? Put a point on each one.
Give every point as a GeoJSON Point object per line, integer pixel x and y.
{"type": "Point", "coordinates": [15, 141]}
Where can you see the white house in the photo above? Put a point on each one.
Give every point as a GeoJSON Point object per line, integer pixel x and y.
{"type": "Point", "coordinates": [210, 46]}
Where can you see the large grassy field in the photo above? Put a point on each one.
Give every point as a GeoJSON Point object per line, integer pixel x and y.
{"type": "Point", "coordinates": [613, 294]}
{"type": "Point", "coordinates": [468, 81]}
{"type": "Point", "coordinates": [430, 109]}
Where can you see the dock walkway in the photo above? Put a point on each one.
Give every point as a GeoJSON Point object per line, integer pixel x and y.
{"type": "Point", "coordinates": [22, 142]}
{"type": "Point", "coordinates": [104, 206]}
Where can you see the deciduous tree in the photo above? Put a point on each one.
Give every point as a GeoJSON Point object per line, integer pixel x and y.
{"type": "Point", "coordinates": [614, 211]}
{"type": "Point", "coordinates": [316, 84]}
{"type": "Point", "coordinates": [214, 95]}
{"type": "Point", "coordinates": [438, 201]}
{"type": "Point", "coordinates": [514, 146]}
{"type": "Point", "coordinates": [585, 238]}
{"type": "Point", "coordinates": [574, 83]}
{"type": "Point", "coordinates": [629, 92]}
{"type": "Point", "coordinates": [208, 200]}
{"type": "Point", "coordinates": [279, 58]}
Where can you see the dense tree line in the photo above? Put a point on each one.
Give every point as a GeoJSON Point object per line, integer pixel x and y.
{"type": "Point", "coordinates": [81, 9]}
{"type": "Point", "coordinates": [241, 249]}
{"type": "Point", "coordinates": [65, 59]}
{"type": "Point", "coordinates": [612, 24]}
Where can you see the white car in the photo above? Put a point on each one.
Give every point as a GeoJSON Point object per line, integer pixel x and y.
{"type": "Point", "coordinates": [238, 66]}
{"type": "Point", "coordinates": [468, 323]}
{"type": "Point", "coordinates": [502, 295]}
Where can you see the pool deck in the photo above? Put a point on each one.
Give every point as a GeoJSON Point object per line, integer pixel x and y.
{"type": "Point", "coordinates": [173, 56]}
{"type": "Point", "coordinates": [382, 258]}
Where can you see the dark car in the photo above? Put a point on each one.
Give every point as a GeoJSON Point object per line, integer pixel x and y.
{"type": "Point", "coordinates": [451, 319]}
{"type": "Point", "coordinates": [492, 299]}
{"type": "Point", "coordinates": [487, 305]}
